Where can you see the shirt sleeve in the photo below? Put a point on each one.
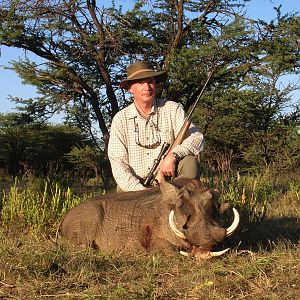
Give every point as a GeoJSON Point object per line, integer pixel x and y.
{"type": "Point", "coordinates": [118, 156]}
{"type": "Point", "coordinates": [193, 143]}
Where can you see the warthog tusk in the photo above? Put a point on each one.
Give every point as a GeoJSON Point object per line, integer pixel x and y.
{"type": "Point", "coordinates": [173, 226]}
{"type": "Point", "coordinates": [218, 253]}
{"type": "Point", "coordinates": [184, 253]}
{"type": "Point", "coordinates": [206, 255]}
{"type": "Point", "coordinates": [235, 223]}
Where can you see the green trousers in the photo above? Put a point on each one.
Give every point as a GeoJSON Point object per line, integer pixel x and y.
{"type": "Point", "coordinates": [188, 167]}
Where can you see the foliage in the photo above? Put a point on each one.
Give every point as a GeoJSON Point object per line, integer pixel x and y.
{"type": "Point", "coordinates": [38, 146]}
{"type": "Point", "coordinates": [251, 196]}
{"type": "Point", "coordinates": [85, 161]}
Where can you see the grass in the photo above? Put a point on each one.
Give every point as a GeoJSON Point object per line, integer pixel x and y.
{"type": "Point", "coordinates": [38, 204]}
{"type": "Point", "coordinates": [34, 268]}
{"type": "Point", "coordinates": [264, 262]}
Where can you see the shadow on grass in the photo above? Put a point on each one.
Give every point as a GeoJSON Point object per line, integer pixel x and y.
{"type": "Point", "coordinates": [267, 233]}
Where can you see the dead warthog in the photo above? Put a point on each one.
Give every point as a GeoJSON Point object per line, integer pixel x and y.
{"type": "Point", "coordinates": [176, 216]}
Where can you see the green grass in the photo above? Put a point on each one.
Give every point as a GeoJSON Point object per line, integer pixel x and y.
{"type": "Point", "coordinates": [264, 262]}
{"type": "Point", "coordinates": [37, 205]}
{"type": "Point", "coordinates": [34, 268]}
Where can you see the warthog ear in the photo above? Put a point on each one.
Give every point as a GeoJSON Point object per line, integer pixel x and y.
{"type": "Point", "coordinates": [168, 189]}
{"type": "Point", "coordinates": [215, 193]}
{"type": "Point", "coordinates": [177, 195]}
{"type": "Point", "coordinates": [223, 207]}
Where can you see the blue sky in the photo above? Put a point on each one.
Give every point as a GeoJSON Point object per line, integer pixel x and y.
{"type": "Point", "coordinates": [10, 83]}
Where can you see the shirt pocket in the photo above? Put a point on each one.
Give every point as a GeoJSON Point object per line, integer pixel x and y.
{"type": "Point", "coordinates": [167, 136]}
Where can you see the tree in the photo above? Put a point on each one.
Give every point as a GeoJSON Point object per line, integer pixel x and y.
{"type": "Point", "coordinates": [24, 143]}
{"type": "Point", "coordinates": [86, 49]}
{"type": "Point", "coordinates": [255, 120]}
{"type": "Point", "coordinates": [86, 162]}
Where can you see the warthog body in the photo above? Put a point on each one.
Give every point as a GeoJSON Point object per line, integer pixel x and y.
{"type": "Point", "coordinates": [139, 221]}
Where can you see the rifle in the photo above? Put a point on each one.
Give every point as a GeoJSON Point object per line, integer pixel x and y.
{"type": "Point", "coordinates": [180, 137]}
{"type": "Point", "coordinates": [149, 178]}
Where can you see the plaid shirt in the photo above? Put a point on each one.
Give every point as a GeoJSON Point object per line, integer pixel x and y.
{"type": "Point", "coordinates": [135, 142]}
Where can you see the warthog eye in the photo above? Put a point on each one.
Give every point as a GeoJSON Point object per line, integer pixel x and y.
{"type": "Point", "coordinates": [185, 226]}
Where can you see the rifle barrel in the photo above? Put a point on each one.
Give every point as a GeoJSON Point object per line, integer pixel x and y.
{"type": "Point", "coordinates": [180, 137]}
{"type": "Point", "coordinates": [200, 95]}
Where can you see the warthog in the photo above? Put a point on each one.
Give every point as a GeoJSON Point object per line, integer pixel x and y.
{"type": "Point", "coordinates": [176, 216]}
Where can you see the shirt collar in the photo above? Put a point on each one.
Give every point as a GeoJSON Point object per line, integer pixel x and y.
{"type": "Point", "coordinates": [133, 112]}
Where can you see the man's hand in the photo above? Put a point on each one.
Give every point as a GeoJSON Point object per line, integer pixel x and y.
{"type": "Point", "coordinates": [168, 165]}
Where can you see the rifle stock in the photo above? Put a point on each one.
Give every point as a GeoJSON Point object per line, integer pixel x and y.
{"type": "Point", "coordinates": [181, 135]}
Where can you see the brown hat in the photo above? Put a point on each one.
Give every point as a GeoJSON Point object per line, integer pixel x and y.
{"type": "Point", "coordinates": [140, 70]}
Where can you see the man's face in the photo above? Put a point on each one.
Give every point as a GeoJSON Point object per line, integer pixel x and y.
{"type": "Point", "coordinates": [144, 90]}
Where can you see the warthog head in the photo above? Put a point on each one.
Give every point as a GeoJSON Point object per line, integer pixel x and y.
{"type": "Point", "coordinates": [194, 215]}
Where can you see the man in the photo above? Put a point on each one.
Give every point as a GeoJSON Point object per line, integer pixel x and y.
{"type": "Point", "coordinates": [139, 131]}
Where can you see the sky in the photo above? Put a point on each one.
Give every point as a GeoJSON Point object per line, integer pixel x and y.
{"type": "Point", "coordinates": [11, 85]}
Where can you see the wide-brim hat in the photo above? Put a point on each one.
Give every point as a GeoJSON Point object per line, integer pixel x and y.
{"type": "Point", "coordinates": [140, 70]}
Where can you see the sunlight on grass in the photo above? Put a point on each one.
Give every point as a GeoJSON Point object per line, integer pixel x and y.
{"type": "Point", "coordinates": [37, 207]}
{"type": "Point", "coordinates": [263, 264]}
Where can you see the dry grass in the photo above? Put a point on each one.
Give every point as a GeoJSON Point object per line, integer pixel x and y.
{"type": "Point", "coordinates": [264, 264]}
{"type": "Point", "coordinates": [34, 268]}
